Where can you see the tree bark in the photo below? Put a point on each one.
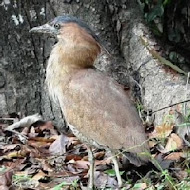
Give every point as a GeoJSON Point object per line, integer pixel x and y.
{"type": "Point", "coordinates": [23, 60]}
{"type": "Point", "coordinates": [119, 25]}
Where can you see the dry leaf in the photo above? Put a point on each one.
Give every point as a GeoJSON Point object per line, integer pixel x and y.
{"type": "Point", "coordinates": [17, 163]}
{"type": "Point", "coordinates": [25, 131]}
{"type": "Point", "coordinates": [6, 178]}
{"type": "Point", "coordinates": [46, 166]}
{"type": "Point", "coordinates": [103, 180]}
{"type": "Point", "coordinates": [9, 147]}
{"type": "Point", "coordinates": [39, 144]}
{"type": "Point", "coordinates": [72, 157]}
{"type": "Point", "coordinates": [80, 164]}
{"type": "Point", "coordinates": [16, 154]}
{"type": "Point", "coordinates": [49, 126]}
{"type": "Point", "coordinates": [162, 131]}
{"type": "Point", "coordinates": [106, 161]}
{"type": "Point", "coordinates": [3, 187]}
{"type": "Point", "coordinates": [174, 142]}
{"type": "Point", "coordinates": [181, 175]}
{"type": "Point", "coordinates": [97, 155]}
{"type": "Point", "coordinates": [161, 162]}
{"type": "Point", "coordinates": [39, 175]}
{"type": "Point", "coordinates": [59, 145]}
{"type": "Point", "coordinates": [42, 139]}
{"type": "Point", "coordinates": [151, 144]}
{"type": "Point", "coordinates": [74, 141]}
{"type": "Point", "coordinates": [174, 156]}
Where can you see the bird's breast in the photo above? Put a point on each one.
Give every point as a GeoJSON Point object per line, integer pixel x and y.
{"type": "Point", "coordinates": [57, 77]}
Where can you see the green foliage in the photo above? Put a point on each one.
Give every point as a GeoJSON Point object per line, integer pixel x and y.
{"type": "Point", "coordinates": [185, 117]}
{"type": "Point", "coordinates": [20, 178]}
{"type": "Point", "coordinates": [157, 11]}
{"type": "Point", "coordinates": [175, 57]}
{"type": "Point", "coordinates": [63, 184]}
{"type": "Point", "coordinates": [184, 185]}
{"type": "Point", "coordinates": [60, 186]}
{"type": "Point", "coordinates": [2, 169]}
{"type": "Point", "coordinates": [112, 173]}
{"type": "Point", "coordinates": [167, 18]}
{"type": "Point", "coordinates": [154, 10]}
{"type": "Point", "coordinates": [169, 21]}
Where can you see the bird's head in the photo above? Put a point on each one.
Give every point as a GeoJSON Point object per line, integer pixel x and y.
{"type": "Point", "coordinates": [63, 26]}
{"type": "Point", "coordinates": [74, 37]}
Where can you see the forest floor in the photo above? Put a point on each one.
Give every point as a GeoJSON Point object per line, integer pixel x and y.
{"type": "Point", "coordinates": [34, 155]}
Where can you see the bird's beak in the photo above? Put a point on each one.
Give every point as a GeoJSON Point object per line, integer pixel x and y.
{"type": "Point", "coordinates": [46, 28]}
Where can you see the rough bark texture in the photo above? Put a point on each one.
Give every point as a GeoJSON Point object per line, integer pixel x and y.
{"type": "Point", "coordinates": [23, 60]}
{"type": "Point", "coordinates": [160, 86]}
{"type": "Point", "coordinates": [118, 23]}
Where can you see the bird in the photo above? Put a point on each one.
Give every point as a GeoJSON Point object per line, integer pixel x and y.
{"type": "Point", "coordinates": [96, 107]}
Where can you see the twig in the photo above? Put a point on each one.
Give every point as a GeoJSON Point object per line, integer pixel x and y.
{"type": "Point", "coordinates": [185, 104]}
{"type": "Point", "coordinates": [26, 121]}
{"type": "Point", "coordinates": [188, 100]}
{"type": "Point", "coordinates": [21, 137]}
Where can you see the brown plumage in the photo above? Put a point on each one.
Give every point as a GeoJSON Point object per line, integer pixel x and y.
{"type": "Point", "coordinates": [97, 108]}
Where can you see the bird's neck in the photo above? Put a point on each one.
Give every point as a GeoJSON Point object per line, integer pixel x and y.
{"type": "Point", "coordinates": [58, 71]}
{"type": "Point", "coordinates": [64, 61]}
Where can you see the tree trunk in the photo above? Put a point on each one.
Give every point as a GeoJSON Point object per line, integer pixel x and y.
{"type": "Point", "coordinates": [23, 60]}
{"type": "Point", "coordinates": [119, 25]}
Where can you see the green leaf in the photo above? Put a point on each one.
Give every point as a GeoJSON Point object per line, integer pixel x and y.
{"type": "Point", "coordinates": [173, 56]}
{"type": "Point", "coordinates": [20, 178]}
{"type": "Point", "coordinates": [59, 187]}
{"type": "Point", "coordinates": [160, 187]}
{"type": "Point", "coordinates": [183, 125]}
{"type": "Point", "coordinates": [157, 11]}
{"type": "Point", "coordinates": [139, 186]}
{"type": "Point", "coordinates": [166, 2]}
{"type": "Point", "coordinates": [112, 173]}
{"type": "Point", "coordinates": [3, 169]}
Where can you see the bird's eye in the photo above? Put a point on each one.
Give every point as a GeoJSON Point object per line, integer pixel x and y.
{"type": "Point", "coordinates": [57, 26]}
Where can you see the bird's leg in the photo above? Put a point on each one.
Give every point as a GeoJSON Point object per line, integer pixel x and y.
{"type": "Point", "coordinates": [116, 167]}
{"type": "Point", "coordinates": [91, 169]}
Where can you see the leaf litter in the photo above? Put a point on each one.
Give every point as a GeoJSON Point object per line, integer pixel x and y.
{"type": "Point", "coordinates": [34, 155]}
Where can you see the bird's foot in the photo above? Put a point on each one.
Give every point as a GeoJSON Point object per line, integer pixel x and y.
{"type": "Point", "coordinates": [116, 167]}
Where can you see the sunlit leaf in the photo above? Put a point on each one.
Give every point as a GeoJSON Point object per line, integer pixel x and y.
{"type": "Point", "coordinates": [161, 131]}
{"type": "Point", "coordinates": [174, 142]}
{"type": "Point", "coordinates": [112, 173]}
{"type": "Point", "coordinates": [140, 186]}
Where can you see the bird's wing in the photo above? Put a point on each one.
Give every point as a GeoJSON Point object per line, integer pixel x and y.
{"type": "Point", "coordinates": [101, 110]}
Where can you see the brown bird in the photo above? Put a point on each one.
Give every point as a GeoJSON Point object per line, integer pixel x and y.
{"type": "Point", "coordinates": [96, 107]}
